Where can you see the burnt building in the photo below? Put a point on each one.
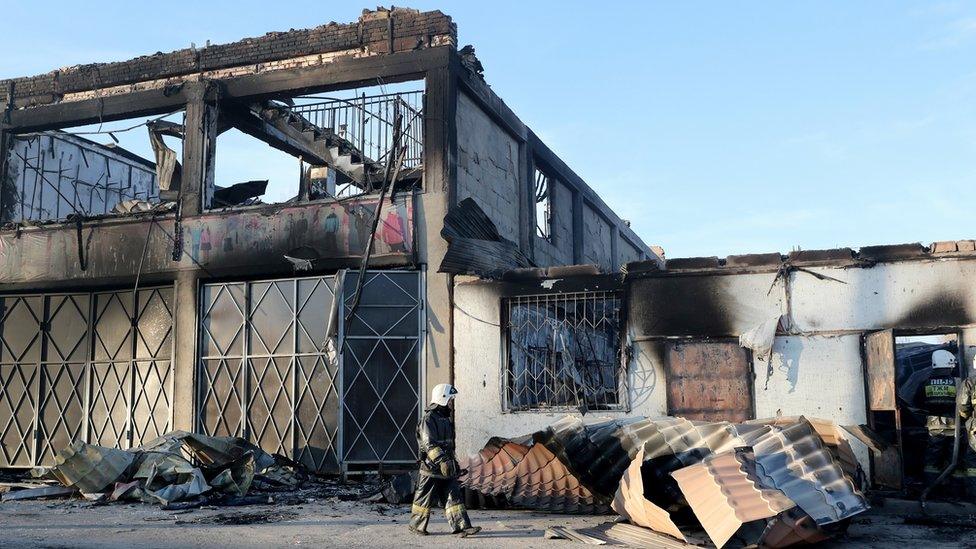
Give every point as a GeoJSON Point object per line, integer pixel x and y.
{"type": "Point", "coordinates": [144, 290]}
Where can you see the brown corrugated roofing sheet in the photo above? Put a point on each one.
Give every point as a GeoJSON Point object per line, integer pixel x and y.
{"type": "Point", "coordinates": [631, 504]}
{"type": "Point", "coordinates": [543, 482]}
{"type": "Point", "coordinates": [723, 494]}
{"type": "Point", "coordinates": [530, 477]}
{"type": "Point", "coordinates": [792, 527]}
{"type": "Point", "coordinates": [492, 470]}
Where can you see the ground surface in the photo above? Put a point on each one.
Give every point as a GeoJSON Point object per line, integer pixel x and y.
{"type": "Point", "coordinates": [332, 522]}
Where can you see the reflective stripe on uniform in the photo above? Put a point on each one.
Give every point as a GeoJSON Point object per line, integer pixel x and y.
{"type": "Point", "coordinates": [456, 509]}
{"type": "Point", "coordinates": [435, 453]}
{"type": "Point", "coordinates": [419, 509]}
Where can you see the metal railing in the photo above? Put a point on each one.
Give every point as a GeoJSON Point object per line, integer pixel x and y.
{"type": "Point", "coordinates": [367, 122]}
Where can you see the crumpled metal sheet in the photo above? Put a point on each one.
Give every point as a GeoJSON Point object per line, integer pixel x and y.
{"type": "Point", "coordinates": [161, 470]}
{"type": "Point", "coordinates": [90, 468]}
{"type": "Point", "coordinates": [528, 476]}
{"type": "Point", "coordinates": [599, 453]}
{"type": "Point", "coordinates": [777, 479]}
{"type": "Point", "coordinates": [724, 493]}
{"type": "Point", "coordinates": [492, 470]}
{"type": "Point", "coordinates": [792, 527]}
{"type": "Point", "coordinates": [543, 482]}
{"type": "Point", "coordinates": [630, 503]}
{"type": "Point", "coordinates": [834, 438]}
{"type": "Point", "coordinates": [796, 461]}
{"type": "Point", "coordinates": [475, 246]}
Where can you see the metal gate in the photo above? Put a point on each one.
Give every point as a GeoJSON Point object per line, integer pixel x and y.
{"type": "Point", "coordinates": [381, 368]}
{"type": "Point", "coordinates": [265, 374]}
{"type": "Point", "coordinates": [82, 366]}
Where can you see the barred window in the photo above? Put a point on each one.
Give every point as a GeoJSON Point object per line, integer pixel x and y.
{"type": "Point", "coordinates": [564, 351]}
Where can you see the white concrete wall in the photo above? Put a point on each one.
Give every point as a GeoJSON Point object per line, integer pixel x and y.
{"type": "Point", "coordinates": [818, 376]}
{"type": "Point", "coordinates": [478, 372]}
{"type": "Point", "coordinates": [816, 368]}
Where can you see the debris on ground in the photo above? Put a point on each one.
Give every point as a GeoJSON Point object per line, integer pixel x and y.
{"type": "Point", "coordinates": [180, 471]}
{"type": "Point", "coordinates": [775, 482]}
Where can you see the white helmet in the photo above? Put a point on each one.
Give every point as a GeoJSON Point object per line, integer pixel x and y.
{"type": "Point", "coordinates": [442, 394]}
{"type": "Point", "coordinates": [943, 359]}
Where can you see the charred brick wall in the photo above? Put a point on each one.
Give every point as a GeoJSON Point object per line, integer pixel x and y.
{"type": "Point", "coordinates": [376, 32]}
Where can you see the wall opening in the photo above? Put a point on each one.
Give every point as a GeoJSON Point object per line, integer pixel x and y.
{"type": "Point", "coordinates": [90, 171]}
{"type": "Point", "coordinates": [321, 146]}
{"type": "Point", "coordinates": [926, 366]}
{"type": "Point", "coordinates": [543, 205]}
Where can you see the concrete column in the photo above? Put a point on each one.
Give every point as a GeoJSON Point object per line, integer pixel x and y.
{"type": "Point", "coordinates": [199, 145]}
{"type": "Point", "coordinates": [185, 355]}
{"type": "Point", "coordinates": [440, 178]}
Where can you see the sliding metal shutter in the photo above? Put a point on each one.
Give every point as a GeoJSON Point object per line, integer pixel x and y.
{"type": "Point", "coordinates": [74, 367]}
{"type": "Point", "coordinates": [264, 373]}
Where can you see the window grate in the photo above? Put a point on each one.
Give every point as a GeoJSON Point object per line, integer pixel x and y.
{"type": "Point", "coordinates": [564, 352]}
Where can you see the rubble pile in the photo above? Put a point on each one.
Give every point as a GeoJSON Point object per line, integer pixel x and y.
{"type": "Point", "coordinates": [176, 470]}
{"type": "Point", "coordinates": [773, 483]}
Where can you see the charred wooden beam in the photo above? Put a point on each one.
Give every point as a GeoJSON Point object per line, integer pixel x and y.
{"type": "Point", "coordinates": [338, 74]}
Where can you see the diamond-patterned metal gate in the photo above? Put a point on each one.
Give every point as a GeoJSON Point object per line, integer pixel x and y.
{"type": "Point", "coordinates": [264, 370]}
{"type": "Point", "coordinates": [79, 367]}
{"type": "Point", "coordinates": [381, 370]}
{"type": "Point", "coordinates": [265, 374]}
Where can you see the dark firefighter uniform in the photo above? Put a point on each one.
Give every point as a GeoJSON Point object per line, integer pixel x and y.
{"type": "Point", "coordinates": [940, 391]}
{"type": "Point", "coordinates": [939, 399]}
{"type": "Point", "coordinates": [966, 401]}
{"type": "Point", "coordinates": [437, 483]}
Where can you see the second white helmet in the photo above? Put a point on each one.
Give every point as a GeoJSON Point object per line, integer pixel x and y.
{"type": "Point", "coordinates": [943, 359]}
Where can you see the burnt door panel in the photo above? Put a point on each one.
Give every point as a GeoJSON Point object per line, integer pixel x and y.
{"type": "Point", "coordinates": [709, 380]}
{"type": "Point", "coordinates": [883, 414]}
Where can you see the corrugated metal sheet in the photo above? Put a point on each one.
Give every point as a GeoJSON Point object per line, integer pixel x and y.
{"type": "Point", "coordinates": [599, 453]}
{"type": "Point", "coordinates": [793, 527]}
{"type": "Point", "coordinates": [796, 461]}
{"type": "Point", "coordinates": [543, 482]}
{"type": "Point", "coordinates": [631, 504]}
{"type": "Point", "coordinates": [492, 470]}
{"type": "Point", "coordinates": [621, 533]}
{"type": "Point", "coordinates": [474, 245]}
{"type": "Point", "coordinates": [835, 440]}
{"type": "Point", "coordinates": [530, 477]}
{"type": "Point", "coordinates": [723, 492]}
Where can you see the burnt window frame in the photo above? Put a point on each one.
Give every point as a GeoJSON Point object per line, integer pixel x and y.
{"type": "Point", "coordinates": [543, 200]}
{"type": "Point", "coordinates": [619, 362]}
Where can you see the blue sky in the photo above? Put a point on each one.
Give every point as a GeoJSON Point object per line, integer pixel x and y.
{"type": "Point", "coordinates": [716, 128]}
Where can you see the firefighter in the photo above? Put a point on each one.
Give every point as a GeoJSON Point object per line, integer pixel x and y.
{"type": "Point", "coordinates": [437, 483]}
{"type": "Point", "coordinates": [966, 402]}
{"type": "Point", "coordinates": [939, 400]}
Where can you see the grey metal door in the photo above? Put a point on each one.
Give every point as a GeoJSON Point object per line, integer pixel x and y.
{"type": "Point", "coordinates": [381, 368]}
{"type": "Point", "coordinates": [264, 371]}
{"type": "Point", "coordinates": [81, 366]}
